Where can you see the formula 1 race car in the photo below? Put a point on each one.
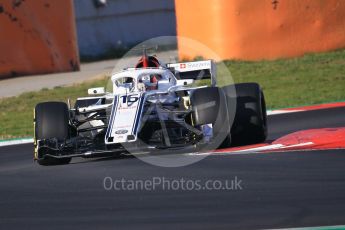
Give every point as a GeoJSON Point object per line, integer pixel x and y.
{"type": "Point", "coordinates": [152, 107]}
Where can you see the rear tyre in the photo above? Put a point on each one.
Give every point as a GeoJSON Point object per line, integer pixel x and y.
{"type": "Point", "coordinates": [51, 121]}
{"type": "Point", "coordinates": [209, 107]}
{"type": "Point", "coordinates": [250, 122]}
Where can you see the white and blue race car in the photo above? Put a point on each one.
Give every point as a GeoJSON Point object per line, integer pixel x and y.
{"type": "Point", "coordinates": [152, 107]}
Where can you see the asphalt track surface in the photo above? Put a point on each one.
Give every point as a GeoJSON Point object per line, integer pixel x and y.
{"type": "Point", "coordinates": [279, 190]}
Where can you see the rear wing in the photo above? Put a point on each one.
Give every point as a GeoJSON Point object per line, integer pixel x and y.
{"type": "Point", "coordinates": [195, 70]}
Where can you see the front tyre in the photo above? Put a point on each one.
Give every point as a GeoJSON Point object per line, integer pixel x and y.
{"type": "Point", "coordinates": [210, 107]}
{"type": "Point", "coordinates": [51, 121]}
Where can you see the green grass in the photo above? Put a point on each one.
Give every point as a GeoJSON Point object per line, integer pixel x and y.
{"type": "Point", "coordinates": [16, 113]}
{"type": "Point", "coordinates": [311, 79]}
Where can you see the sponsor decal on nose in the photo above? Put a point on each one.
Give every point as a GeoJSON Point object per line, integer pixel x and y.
{"type": "Point", "coordinates": [121, 131]}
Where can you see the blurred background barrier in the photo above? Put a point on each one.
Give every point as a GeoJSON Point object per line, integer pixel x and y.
{"type": "Point", "coordinates": [108, 26]}
{"type": "Point", "coordinates": [265, 29]}
{"type": "Point", "coordinates": [37, 37]}
{"type": "Point", "coordinates": [40, 36]}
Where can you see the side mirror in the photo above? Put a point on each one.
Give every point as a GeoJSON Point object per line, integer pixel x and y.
{"type": "Point", "coordinates": [184, 82]}
{"type": "Point", "coordinates": [96, 91]}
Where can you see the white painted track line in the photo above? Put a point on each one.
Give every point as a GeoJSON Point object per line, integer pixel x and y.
{"type": "Point", "coordinates": [16, 142]}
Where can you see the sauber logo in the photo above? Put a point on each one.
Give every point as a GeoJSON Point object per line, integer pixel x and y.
{"type": "Point", "coordinates": [195, 65]}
